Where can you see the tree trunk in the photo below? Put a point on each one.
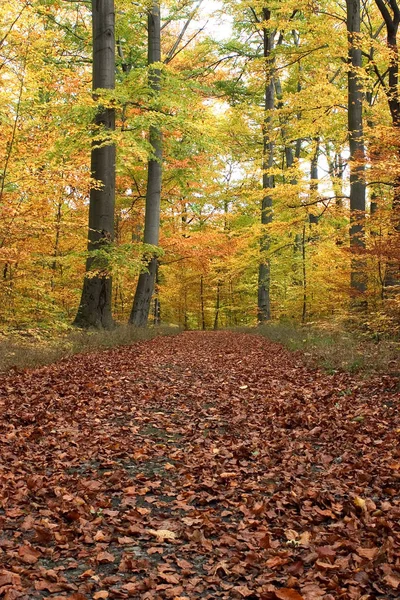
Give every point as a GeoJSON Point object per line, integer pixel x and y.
{"type": "Point", "coordinates": [357, 154]}
{"type": "Point", "coordinates": [264, 271]}
{"type": "Point", "coordinates": [157, 304]}
{"type": "Point", "coordinates": [217, 306]}
{"type": "Point", "coordinates": [304, 269]}
{"type": "Point", "coordinates": [391, 15]}
{"type": "Point", "coordinates": [96, 300]}
{"type": "Point", "coordinates": [145, 287]}
{"type": "Point", "coordinates": [203, 314]}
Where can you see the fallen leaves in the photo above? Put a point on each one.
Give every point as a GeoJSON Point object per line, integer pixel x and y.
{"type": "Point", "coordinates": [127, 474]}
{"type": "Point", "coordinates": [28, 555]}
{"type": "Point", "coordinates": [163, 534]}
{"type": "Point", "coordinates": [288, 594]}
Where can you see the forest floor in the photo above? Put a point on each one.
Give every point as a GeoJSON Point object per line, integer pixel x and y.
{"type": "Point", "coordinates": [205, 465]}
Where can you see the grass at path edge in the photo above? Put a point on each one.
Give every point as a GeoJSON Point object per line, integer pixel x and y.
{"type": "Point", "coordinates": [336, 350]}
{"type": "Point", "coordinates": [34, 348]}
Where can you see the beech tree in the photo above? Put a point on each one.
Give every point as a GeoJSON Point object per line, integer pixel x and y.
{"type": "Point", "coordinates": [357, 150]}
{"type": "Point", "coordinates": [145, 286]}
{"type": "Point", "coordinates": [95, 305]}
{"type": "Point", "coordinates": [264, 272]}
{"type": "Point", "coordinates": [390, 12]}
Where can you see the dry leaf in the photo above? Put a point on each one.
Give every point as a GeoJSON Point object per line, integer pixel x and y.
{"type": "Point", "coordinates": [105, 557]}
{"type": "Point", "coordinates": [28, 555]}
{"type": "Point", "coordinates": [369, 553]}
{"type": "Point", "coordinates": [288, 594]}
{"type": "Point", "coordinates": [163, 534]}
{"type": "Point", "coordinates": [360, 502]}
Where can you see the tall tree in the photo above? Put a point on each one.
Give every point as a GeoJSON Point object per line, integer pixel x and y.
{"type": "Point", "coordinates": [390, 12]}
{"type": "Point", "coordinates": [264, 271]}
{"type": "Point", "coordinates": [145, 286]}
{"type": "Point", "coordinates": [95, 305]}
{"type": "Point", "coordinates": [357, 149]}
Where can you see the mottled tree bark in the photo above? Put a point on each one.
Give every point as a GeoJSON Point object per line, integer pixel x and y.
{"type": "Point", "coordinates": [96, 300]}
{"type": "Point", "coordinates": [264, 270]}
{"type": "Point", "coordinates": [357, 154]}
{"type": "Point", "coordinates": [145, 287]}
{"type": "Point", "coordinates": [391, 14]}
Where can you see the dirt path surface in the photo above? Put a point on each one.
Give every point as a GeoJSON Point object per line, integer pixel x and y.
{"type": "Point", "coordinates": [206, 465]}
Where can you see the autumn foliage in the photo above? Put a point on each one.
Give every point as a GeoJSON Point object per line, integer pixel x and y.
{"type": "Point", "coordinates": [211, 116]}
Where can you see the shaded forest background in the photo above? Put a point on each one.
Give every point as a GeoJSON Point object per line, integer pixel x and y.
{"type": "Point", "coordinates": [256, 163]}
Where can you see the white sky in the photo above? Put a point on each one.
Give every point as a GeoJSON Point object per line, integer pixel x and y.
{"type": "Point", "coordinates": [219, 25]}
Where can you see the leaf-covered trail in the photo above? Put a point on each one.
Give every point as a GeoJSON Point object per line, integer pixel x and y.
{"type": "Point", "coordinates": [206, 465]}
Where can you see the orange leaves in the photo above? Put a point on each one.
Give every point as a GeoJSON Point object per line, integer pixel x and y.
{"type": "Point", "coordinates": [28, 555]}
{"type": "Point", "coordinates": [9, 578]}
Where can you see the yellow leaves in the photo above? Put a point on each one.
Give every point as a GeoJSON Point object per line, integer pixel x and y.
{"type": "Point", "coordinates": [360, 503]}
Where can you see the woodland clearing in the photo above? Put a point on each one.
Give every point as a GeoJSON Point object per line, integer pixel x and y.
{"type": "Point", "coordinates": [204, 465]}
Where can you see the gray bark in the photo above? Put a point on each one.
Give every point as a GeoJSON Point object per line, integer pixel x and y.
{"type": "Point", "coordinates": [357, 150]}
{"type": "Point", "coordinates": [96, 300]}
{"type": "Point", "coordinates": [264, 271]}
{"type": "Point", "coordinates": [391, 15]}
{"type": "Point", "coordinates": [145, 287]}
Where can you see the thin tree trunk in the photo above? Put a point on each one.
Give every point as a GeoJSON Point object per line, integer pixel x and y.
{"type": "Point", "coordinates": [217, 306]}
{"type": "Point", "coordinates": [96, 300]}
{"type": "Point", "coordinates": [56, 246]}
{"type": "Point", "coordinates": [304, 268]}
{"type": "Point", "coordinates": [145, 287]}
{"type": "Point", "coordinates": [203, 316]}
{"type": "Point", "coordinates": [264, 271]}
{"type": "Point", "coordinates": [357, 154]}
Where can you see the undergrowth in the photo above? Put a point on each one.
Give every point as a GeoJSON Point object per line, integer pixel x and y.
{"type": "Point", "coordinates": [34, 347]}
{"type": "Point", "coordinates": [336, 349]}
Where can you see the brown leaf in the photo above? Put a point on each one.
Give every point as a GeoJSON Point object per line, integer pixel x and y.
{"type": "Point", "coordinates": [28, 555]}
{"type": "Point", "coordinates": [126, 540]}
{"type": "Point", "coordinates": [369, 553]}
{"type": "Point", "coordinates": [288, 594]}
{"type": "Point", "coordinates": [105, 557]}
{"type": "Point", "coordinates": [183, 564]}
{"type": "Point", "coordinates": [103, 594]}
{"type": "Point", "coordinates": [49, 586]}
{"type": "Point", "coordinates": [296, 568]}
{"type": "Point", "coordinates": [169, 578]}
{"type": "Point", "coordinates": [163, 534]}
{"type": "Point", "coordinates": [392, 580]}
{"type": "Point", "coordinates": [9, 578]}
{"type": "Point", "coordinates": [325, 565]}
{"type": "Point", "coordinates": [131, 588]}
{"type": "Point", "coordinates": [265, 541]}
{"type": "Point", "coordinates": [326, 552]}
{"type": "Point", "coordinates": [243, 590]}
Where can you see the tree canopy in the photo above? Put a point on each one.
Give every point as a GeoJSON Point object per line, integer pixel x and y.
{"type": "Point", "coordinates": [280, 162]}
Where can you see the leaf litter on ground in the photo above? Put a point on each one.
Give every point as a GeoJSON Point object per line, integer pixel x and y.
{"type": "Point", "coordinates": [207, 465]}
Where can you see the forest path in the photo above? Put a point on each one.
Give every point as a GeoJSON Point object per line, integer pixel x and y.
{"type": "Point", "coordinates": [206, 465]}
